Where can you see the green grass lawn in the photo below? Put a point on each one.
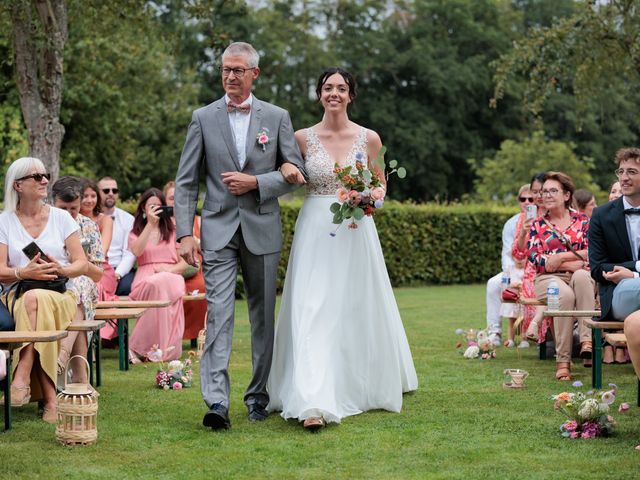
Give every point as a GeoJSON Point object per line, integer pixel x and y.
{"type": "Point", "coordinates": [460, 423]}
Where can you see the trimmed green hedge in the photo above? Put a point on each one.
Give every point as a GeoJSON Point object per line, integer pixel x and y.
{"type": "Point", "coordinates": [424, 244]}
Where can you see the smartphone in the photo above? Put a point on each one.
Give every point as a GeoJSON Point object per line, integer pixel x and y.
{"type": "Point", "coordinates": [32, 250]}
{"type": "Point", "coordinates": [165, 211]}
{"type": "Point", "coordinates": [532, 211]}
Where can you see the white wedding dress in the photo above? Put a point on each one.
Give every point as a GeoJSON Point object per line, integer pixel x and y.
{"type": "Point", "coordinates": [340, 347]}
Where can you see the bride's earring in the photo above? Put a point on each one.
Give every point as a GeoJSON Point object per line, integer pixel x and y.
{"type": "Point", "coordinates": [144, 215]}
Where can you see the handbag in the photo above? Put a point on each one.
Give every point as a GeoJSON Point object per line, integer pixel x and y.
{"type": "Point", "coordinates": [7, 324]}
{"type": "Point", "coordinates": [510, 295]}
{"type": "Point", "coordinates": [58, 284]}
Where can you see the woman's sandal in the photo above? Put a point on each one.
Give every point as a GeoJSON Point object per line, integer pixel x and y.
{"type": "Point", "coordinates": [20, 396]}
{"type": "Point", "coordinates": [63, 359]}
{"type": "Point", "coordinates": [563, 371]}
{"type": "Point", "coordinates": [50, 415]}
{"type": "Point", "coordinates": [586, 350]}
{"type": "Point", "coordinates": [134, 359]}
{"type": "Point", "coordinates": [313, 424]}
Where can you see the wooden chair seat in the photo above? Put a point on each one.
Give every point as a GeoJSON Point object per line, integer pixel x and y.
{"type": "Point", "coordinates": [616, 339]}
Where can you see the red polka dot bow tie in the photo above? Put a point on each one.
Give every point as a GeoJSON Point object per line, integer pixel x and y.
{"type": "Point", "coordinates": [244, 108]}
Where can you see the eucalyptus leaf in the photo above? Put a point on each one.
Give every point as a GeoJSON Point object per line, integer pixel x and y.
{"type": "Point", "coordinates": [337, 218]}
{"type": "Point", "coordinates": [335, 207]}
{"type": "Point", "coordinates": [358, 213]}
{"type": "Point", "coordinates": [393, 164]}
{"type": "Point", "coordinates": [367, 176]}
{"type": "Point", "coordinates": [402, 172]}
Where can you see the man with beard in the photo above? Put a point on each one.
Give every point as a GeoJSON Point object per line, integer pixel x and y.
{"type": "Point", "coordinates": [120, 258]}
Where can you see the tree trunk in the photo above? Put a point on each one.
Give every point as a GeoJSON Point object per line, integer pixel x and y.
{"type": "Point", "coordinates": [40, 33]}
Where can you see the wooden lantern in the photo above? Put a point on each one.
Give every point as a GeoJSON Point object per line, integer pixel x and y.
{"type": "Point", "coordinates": [77, 410]}
{"type": "Point", "coordinates": [202, 336]}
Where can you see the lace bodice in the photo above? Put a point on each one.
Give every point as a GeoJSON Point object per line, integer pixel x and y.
{"type": "Point", "coordinates": [319, 164]}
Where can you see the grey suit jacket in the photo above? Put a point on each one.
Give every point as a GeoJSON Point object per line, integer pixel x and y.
{"type": "Point", "coordinates": [210, 142]}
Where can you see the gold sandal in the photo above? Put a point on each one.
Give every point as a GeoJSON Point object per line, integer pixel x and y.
{"type": "Point", "coordinates": [20, 396]}
{"type": "Point", "coordinates": [63, 359]}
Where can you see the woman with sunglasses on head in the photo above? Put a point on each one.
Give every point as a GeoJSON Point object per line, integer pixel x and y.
{"type": "Point", "coordinates": [558, 245]}
{"type": "Point", "coordinates": [26, 219]}
{"type": "Point", "coordinates": [159, 277]}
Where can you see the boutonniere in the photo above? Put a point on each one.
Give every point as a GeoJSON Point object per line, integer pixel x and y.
{"type": "Point", "coordinates": [263, 138]}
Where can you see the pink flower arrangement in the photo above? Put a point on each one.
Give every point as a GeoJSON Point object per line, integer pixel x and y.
{"type": "Point", "coordinates": [476, 344]}
{"type": "Point", "coordinates": [263, 138]}
{"type": "Point", "coordinates": [588, 412]}
{"type": "Point", "coordinates": [361, 190]}
{"type": "Point", "coordinates": [177, 374]}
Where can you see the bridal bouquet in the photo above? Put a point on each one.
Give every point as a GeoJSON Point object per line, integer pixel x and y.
{"type": "Point", "coordinates": [588, 413]}
{"type": "Point", "coordinates": [176, 375]}
{"type": "Point", "coordinates": [361, 191]}
{"type": "Point", "coordinates": [476, 343]}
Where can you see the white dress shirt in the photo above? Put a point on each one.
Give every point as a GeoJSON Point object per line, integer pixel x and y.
{"type": "Point", "coordinates": [239, 127]}
{"type": "Point", "coordinates": [633, 231]}
{"type": "Point", "coordinates": [120, 257]}
{"type": "Point", "coordinates": [508, 236]}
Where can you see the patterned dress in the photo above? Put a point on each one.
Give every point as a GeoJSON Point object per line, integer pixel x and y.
{"type": "Point", "coordinates": [86, 289]}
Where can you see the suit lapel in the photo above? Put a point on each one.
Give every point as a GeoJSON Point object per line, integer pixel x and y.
{"type": "Point", "coordinates": [254, 126]}
{"type": "Point", "coordinates": [225, 130]}
{"type": "Point", "coordinates": [620, 226]}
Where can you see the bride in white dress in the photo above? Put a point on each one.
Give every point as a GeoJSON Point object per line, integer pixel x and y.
{"type": "Point", "coordinates": [340, 346]}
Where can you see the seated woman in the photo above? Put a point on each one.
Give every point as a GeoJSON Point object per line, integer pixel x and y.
{"type": "Point", "coordinates": [558, 250]}
{"type": "Point", "coordinates": [159, 277]}
{"type": "Point", "coordinates": [67, 195]}
{"type": "Point", "coordinates": [91, 207]}
{"type": "Point", "coordinates": [196, 310]}
{"type": "Point", "coordinates": [584, 201]}
{"type": "Point", "coordinates": [26, 219]}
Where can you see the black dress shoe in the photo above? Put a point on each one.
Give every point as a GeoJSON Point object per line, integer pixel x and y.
{"type": "Point", "coordinates": [257, 413]}
{"type": "Point", "coordinates": [217, 417]}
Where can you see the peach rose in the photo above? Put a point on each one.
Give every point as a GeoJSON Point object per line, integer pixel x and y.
{"type": "Point", "coordinates": [342, 195]}
{"type": "Point", "coordinates": [377, 193]}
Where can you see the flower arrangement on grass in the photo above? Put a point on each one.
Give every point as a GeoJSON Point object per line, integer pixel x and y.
{"type": "Point", "coordinates": [588, 413]}
{"type": "Point", "coordinates": [177, 374]}
{"type": "Point", "coordinates": [476, 344]}
{"type": "Point", "coordinates": [361, 191]}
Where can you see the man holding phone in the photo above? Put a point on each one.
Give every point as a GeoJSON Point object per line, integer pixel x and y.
{"type": "Point", "coordinates": [120, 258]}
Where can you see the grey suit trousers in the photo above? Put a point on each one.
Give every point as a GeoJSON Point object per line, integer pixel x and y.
{"type": "Point", "coordinates": [259, 275]}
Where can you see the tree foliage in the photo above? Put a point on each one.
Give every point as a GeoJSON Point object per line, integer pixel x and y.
{"type": "Point", "coordinates": [517, 162]}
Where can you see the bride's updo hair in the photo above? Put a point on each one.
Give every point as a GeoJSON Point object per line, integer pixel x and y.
{"type": "Point", "coordinates": [351, 82]}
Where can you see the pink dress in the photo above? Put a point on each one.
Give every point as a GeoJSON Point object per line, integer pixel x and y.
{"type": "Point", "coordinates": [158, 326]}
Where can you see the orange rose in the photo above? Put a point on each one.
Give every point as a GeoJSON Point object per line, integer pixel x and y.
{"type": "Point", "coordinates": [342, 195]}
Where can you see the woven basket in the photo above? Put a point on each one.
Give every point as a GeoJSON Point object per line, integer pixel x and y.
{"type": "Point", "coordinates": [202, 336]}
{"type": "Point", "coordinates": [77, 411]}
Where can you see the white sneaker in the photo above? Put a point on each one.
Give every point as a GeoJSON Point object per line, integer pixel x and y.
{"type": "Point", "coordinates": [523, 344]}
{"type": "Point", "coordinates": [495, 339]}
{"type": "Point", "coordinates": [509, 344]}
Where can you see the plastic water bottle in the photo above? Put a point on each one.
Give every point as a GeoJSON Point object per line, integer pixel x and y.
{"type": "Point", "coordinates": [506, 281]}
{"type": "Point", "coordinates": [553, 296]}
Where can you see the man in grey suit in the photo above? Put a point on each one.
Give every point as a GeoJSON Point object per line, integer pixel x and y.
{"type": "Point", "coordinates": [242, 142]}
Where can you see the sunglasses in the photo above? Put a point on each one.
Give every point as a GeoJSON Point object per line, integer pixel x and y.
{"type": "Point", "coordinates": [36, 176]}
{"type": "Point", "coordinates": [526, 199]}
{"type": "Point", "coordinates": [107, 190]}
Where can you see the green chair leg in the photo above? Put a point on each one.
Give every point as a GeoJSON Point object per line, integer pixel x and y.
{"type": "Point", "coordinates": [7, 395]}
{"type": "Point", "coordinates": [123, 355]}
{"type": "Point", "coordinates": [596, 367]}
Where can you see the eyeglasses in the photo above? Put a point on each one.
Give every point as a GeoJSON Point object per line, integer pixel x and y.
{"type": "Point", "coordinates": [107, 190]}
{"type": "Point", "coordinates": [237, 72]}
{"type": "Point", "coordinates": [36, 176]}
{"type": "Point", "coordinates": [632, 172]}
{"type": "Point", "coordinates": [552, 192]}
{"type": "Point", "coordinates": [526, 199]}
